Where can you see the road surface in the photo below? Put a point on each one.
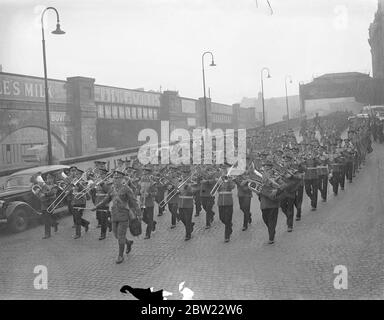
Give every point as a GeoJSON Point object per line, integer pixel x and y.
{"type": "Point", "coordinates": [347, 230]}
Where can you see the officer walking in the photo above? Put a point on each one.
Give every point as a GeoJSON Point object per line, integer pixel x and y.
{"type": "Point", "coordinates": [122, 197]}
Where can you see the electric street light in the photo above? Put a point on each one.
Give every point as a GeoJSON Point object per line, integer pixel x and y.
{"type": "Point", "coordinates": [57, 31]}
{"type": "Point", "coordinates": [205, 97]}
{"type": "Point", "coordinates": [286, 96]}
{"type": "Point", "coordinates": [262, 90]}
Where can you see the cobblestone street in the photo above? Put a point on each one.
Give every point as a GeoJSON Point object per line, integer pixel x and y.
{"type": "Point", "coordinates": [347, 230]}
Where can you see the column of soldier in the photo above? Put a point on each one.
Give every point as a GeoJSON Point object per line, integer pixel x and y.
{"type": "Point", "coordinates": [279, 169]}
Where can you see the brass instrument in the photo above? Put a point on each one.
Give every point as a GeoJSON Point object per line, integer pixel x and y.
{"type": "Point", "coordinates": [175, 191]}
{"type": "Point", "coordinates": [38, 186]}
{"type": "Point", "coordinates": [91, 184]}
{"type": "Point", "coordinates": [64, 193]}
{"type": "Point", "coordinates": [221, 180]}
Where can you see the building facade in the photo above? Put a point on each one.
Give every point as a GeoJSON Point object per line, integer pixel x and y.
{"type": "Point", "coordinates": [87, 118]}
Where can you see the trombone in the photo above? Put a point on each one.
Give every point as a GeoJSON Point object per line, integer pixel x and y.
{"type": "Point", "coordinates": [91, 184]}
{"type": "Point", "coordinates": [65, 192]}
{"type": "Point", "coordinates": [220, 181]}
{"type": "Point", "coordinates": [175, 191]}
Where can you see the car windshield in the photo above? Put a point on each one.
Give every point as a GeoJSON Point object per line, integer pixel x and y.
{"type": "Point", "coordinates": [18, 182]}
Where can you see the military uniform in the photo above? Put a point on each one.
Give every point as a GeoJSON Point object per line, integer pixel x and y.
{"type": "Point", "coordinates": [323, 172]}
{"type": "Point", "coordinates": [160, 193]}
{"type": "Point", "coordinates": [147, 194]}
{"type": "Point", "coordinates": [173, 206]}
{"type": "Point", "coordinates": [289, 188]}
{"type": "Point", "coordinates": [101, 191]}
{"type": "Point", "coordinates": [269, 205]}
{"type": "Point", "coordinates": [124, 204]}
{"type": "Point", "coordinates": [311, 181]}
{"type": "Point", "coordinates": [185, 206]}
{"type": "Point", "coordinates": [207, 200]}
{"type": "Point", "coordinates": [47, 195]}
{"type": "Point", "coordinates": [77, 211]}
{"type": "Point", "coordinates": [225, 204]}
{"type": "Point", "coordinates": [245, 196]}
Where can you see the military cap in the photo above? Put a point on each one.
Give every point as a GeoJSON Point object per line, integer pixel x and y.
{"type": "Point", "coordinates": [103, 170]}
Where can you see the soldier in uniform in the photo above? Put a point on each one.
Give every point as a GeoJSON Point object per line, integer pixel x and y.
{"type": "Point", "coordinates": [269, 203]}
{"type": "Point", "coordinates": [47, 194]}
{"type": "Point", "coordinates": [78, 204]}
{"type": "Point", "coordinates": [124, 204]}
{"type": "Point", "coordinates": [147, 195]}
{"type": "Point", "coordinates": [225, 204]}
{"type": "Point", "coordinates": [348, 161]}
{"type": "Point", "coordinates": [174, 201]}
{"type": "Point", "coordinates": [196, 198]}
{"type": "Point", "coordinates": [311, 180]}
{"type": "Point", "coordinates": [322, 172]}
{"type": "Point", "coordinates": [185, 206]}
{"type": "Point", "coordinates": [287, 199]}
{"type": "Point", "coordinates": [101, 191]}
{"type": "Point", "coordinates": [207, 200]}
{"type": "Point", "coordinates": [160, 194]}
{"type": "Point", "coordinates": [245, 197]}
{"type": "Point", "coordinates": [98, 165]}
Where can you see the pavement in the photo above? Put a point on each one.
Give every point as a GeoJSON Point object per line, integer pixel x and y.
{"type": "Point", "coordinates": [346, 230]}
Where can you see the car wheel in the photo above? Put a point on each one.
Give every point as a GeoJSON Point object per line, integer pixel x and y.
{"type": "Point", "coordinates": [19, 220]}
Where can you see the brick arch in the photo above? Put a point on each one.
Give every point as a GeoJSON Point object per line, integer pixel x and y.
{"type": "Point", "coordinates": [53, 133]}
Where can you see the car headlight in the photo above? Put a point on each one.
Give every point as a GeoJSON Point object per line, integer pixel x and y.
{"type": "Point", "coordinates": [2, 202]}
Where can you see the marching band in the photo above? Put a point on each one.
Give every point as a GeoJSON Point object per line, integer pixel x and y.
{"type": "Point", "coordinates": [279, 170]}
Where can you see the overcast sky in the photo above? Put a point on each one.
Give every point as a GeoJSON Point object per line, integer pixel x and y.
{"type": "Point", "coordinates": [153, 43]}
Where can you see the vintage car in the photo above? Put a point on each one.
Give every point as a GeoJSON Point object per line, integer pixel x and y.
{"type": "Point", "coordinates": [18, 204]}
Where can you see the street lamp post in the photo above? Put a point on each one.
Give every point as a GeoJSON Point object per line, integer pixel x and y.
{"type": "Point", "coordinates": [205, 97]}
{"type": "Point", "coordinates": [286, 96]}
{"type": "Point", "coordinates": [57, 31]}
{"type": "Point", "coordinates": [262, 91]}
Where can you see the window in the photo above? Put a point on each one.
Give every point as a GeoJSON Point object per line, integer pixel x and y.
{"type": "Point", "coordinates": [127, 112]}
{"type": "Point", "coordinates": [145, 113]}
{"type": "Point", "coordinates": [150, 114]}
{"type": "Point", "coordinates": [108, 111]}
{"type": "Point", "coordinates": [133, 112]}
{"type": "Point", "coordinates": [155, 114]}
{"type": "Point", "coordinates": [115, 112]}
{"type": "Point", "coordinates": [139, 113]}
{"type": "Point", "coordinates": [100, 111]}
{"type": "Point", "coordinates": [121, 112]}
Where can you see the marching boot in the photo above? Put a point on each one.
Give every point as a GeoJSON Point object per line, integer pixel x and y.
{"type": "Point", "coordinates": [55, 226]}
{"type": "Point", "coordinates": [47, 231]}
{"type": "Point", "coordinates": [102, 236]}
{"type": "Point", "coordinates": [129, 246]}
{"type": "Point", "coordinates": [120, 258]}
{"type": "Point", "coordinates": [78, 232]}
